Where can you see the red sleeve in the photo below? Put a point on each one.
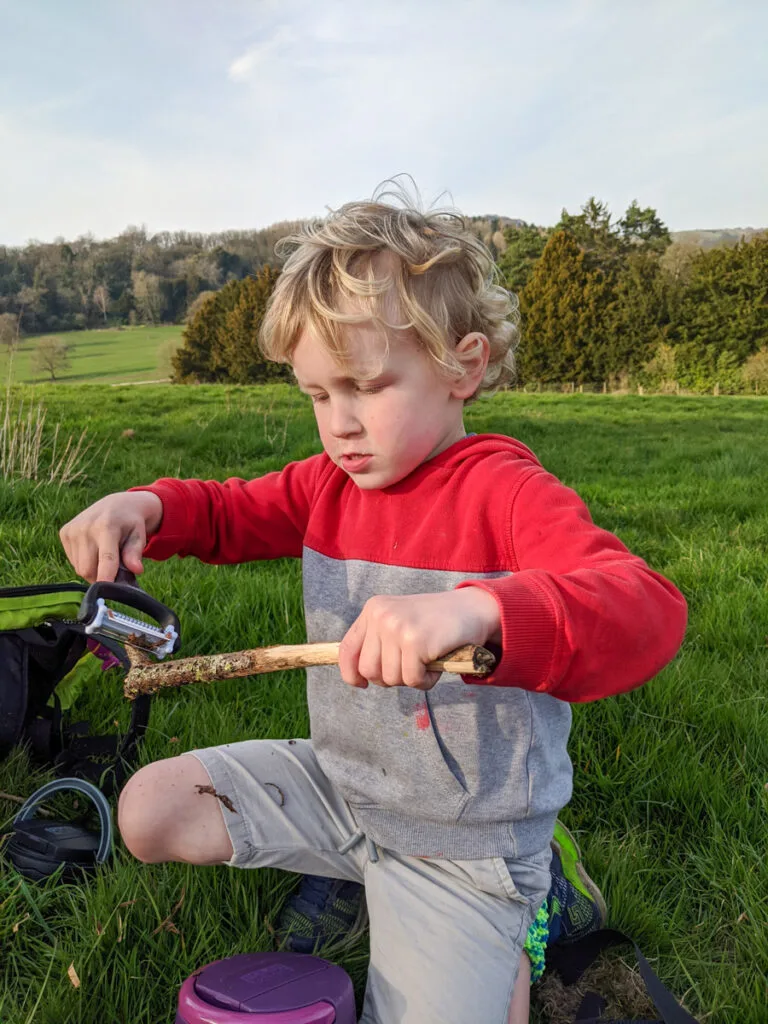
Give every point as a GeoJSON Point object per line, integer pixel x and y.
{"type": "Point", "coordinates": [236, 521]}
{"type": "Point", "coordinates": [582, 617]}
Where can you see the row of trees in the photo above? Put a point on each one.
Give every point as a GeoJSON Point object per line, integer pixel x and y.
{"type": "Point", "coordinates": [601, 301]}
{"type": "Point", "coordinates": [138, 277]}
{"type": "Point", "coordinates": [606, 301]}
{"type": "Point", "coordinates": [134, 278]}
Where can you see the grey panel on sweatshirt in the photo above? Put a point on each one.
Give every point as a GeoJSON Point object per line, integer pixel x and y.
{"type": "Point", "coordinates": [459, 771]}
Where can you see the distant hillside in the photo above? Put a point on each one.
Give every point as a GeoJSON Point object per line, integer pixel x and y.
{"type": "Point", "coordinates": [490, 228]}
{"type": "Point", "coordinates": [709, 239]}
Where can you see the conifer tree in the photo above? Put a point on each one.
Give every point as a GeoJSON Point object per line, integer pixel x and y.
{"type": "Point", "coordinates": [237, 349]}
{"type": "Point", "coordinates": [193, 361]}
{"type": "Point", "coordinates": [221, 339]}
{"type": "Point", "coordinates": [524, 246]}
{"type": "Point", "coordinates": [566, 308]}
{"type": "Point", "coordinates": [641, 312]}
{"type": "Point", "coordinates": [725, 306]}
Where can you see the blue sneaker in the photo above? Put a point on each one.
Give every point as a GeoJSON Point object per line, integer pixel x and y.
{"type": "Point", "coordinates": [575, 904]}
{"type": "Point", "coordinates": [323, 913]}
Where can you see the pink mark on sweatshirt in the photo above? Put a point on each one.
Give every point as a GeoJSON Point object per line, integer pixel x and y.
{"type": "Point", "coordinates": [422, 716]}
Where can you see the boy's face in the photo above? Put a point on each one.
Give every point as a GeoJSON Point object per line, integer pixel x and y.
{"type": "Point", "coordinates": [378, 430]}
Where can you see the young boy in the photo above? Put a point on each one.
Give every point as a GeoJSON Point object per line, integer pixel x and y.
{"type": "Point", "coordinates": [415, 539]}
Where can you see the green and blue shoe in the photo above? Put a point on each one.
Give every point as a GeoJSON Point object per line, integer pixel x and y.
{"type": "Point", "coordinates": [323, 913]}
{"type": "Point", "coordinates": [575, 904]}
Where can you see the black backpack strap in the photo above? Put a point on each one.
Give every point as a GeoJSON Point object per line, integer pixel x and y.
{"type": "Point", "coordinates": [45, 731]}
{"type": "Point", "coordinates": [79, 756]}
{"type": "Point", "coordinates": [571, 960]}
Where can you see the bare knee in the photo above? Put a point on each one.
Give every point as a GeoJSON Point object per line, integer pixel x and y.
{"type": "Point", "coordinates": [163, 816]}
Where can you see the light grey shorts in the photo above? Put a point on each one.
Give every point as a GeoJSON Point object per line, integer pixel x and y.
{"type": "Point", "coordinates": [445, 935]}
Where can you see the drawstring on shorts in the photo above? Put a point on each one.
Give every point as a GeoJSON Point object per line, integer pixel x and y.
{"type": "Point", "coordinates": [354, 839]}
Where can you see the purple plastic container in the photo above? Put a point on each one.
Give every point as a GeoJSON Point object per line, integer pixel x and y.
{"type": "Point", "coordinates": [268, 988]}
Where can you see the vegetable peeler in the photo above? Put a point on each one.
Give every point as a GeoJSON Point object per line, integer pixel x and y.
{"type": "Point", "coordinates": [115, 629]}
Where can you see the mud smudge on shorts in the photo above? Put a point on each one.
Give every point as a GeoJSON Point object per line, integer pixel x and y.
{"type": "Point", "coordinates": [275, 786]}
{"type": "Point", "coordinates": [219, 796]}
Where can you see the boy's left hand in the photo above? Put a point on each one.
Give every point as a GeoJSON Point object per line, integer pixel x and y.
{"type": "Point", "coordinates": [394, 638]}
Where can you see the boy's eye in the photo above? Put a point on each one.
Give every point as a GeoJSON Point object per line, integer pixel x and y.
{"type": "Point", "coordinates": [371, 390]}
{"type": "Point", "coordinates": [318, 398]}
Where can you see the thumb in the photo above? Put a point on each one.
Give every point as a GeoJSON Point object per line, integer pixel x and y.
{"type": "Point", "coordinates": [133, 549]}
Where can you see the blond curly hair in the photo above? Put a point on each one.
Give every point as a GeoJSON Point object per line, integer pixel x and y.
{"type": "Point", "coordinates": [401, 268]}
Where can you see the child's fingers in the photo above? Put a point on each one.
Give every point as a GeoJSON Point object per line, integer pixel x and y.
{"type": "Point", "coordinates": [349, 653]}
{"type": "Point", "coordinates": [109, 563]}
{"type": "Point", "coordinates": [413, 670]}
{"type": "Point", "coordinates": [82, 553]}
{"type": "Point", "coordinates": [391, 658]}
{"type": "Point", "coordinates": [99, 553]}
{"type": "Point", "coordinates": [133, 549]}
{"type": "Point", "coordinates": [369, 663]}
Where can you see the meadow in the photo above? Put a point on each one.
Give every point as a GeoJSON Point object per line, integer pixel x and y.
{"type": "Point", "coordinates": [670, 781]}
{"type": "Point", "coordinates": [100, 356]}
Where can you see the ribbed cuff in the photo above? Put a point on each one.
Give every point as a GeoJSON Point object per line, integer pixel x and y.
{"type": "Point", "coordinates": [173, 532]}
{"type": "Point", "coordinates": [530, 632]}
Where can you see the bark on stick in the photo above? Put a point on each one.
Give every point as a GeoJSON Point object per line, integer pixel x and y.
{"type": "Point", "coordinates": [149, 677]}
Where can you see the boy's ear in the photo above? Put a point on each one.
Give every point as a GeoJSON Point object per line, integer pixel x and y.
{"type": "Point", "coordinates": [473, 352]}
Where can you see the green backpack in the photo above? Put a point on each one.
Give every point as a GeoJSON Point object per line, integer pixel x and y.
{"type": "Point", "coordinates": [46, 660]}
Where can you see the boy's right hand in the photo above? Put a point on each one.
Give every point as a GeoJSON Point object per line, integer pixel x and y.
{"type": "Point", "coordinates": [113, 528]}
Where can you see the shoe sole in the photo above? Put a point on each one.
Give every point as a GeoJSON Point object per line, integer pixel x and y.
{"type": "Point", "coordinates": [357, 928]}
{"type": "Point", "coordinates": [590, 887]}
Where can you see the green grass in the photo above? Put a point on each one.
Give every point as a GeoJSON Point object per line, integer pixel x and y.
{"type": "Point", "coordinates": [669, 788]}
{"type": "Point", "coordinates": [108, 356]}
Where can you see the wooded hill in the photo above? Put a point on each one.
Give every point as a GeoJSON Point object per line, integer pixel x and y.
{"type": "Point", "coordinates": [602, 299]}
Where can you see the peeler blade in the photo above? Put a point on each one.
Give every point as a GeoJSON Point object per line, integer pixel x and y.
{"type": "Point", "coordinates": [110, 624]}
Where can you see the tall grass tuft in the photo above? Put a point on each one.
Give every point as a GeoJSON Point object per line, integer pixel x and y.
{"type": "Point", "coordinates": [21, 440]}
{"type": "Point", "coordinates": [27, 454]}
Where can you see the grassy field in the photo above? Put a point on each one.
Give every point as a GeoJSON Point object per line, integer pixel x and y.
{"type": "Point", "coordinates": [670, 793]}
{"type": "Point", "coordinates": [108, 356]}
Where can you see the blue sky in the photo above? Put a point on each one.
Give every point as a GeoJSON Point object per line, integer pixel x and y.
{"type": "Point", "coordinates": [179, 114]}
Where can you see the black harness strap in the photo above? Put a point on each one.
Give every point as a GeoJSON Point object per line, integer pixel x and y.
{"type": "Point", "coordinates": [570, 961]}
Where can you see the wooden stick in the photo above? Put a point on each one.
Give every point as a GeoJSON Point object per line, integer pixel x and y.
{"type": "Point", "coordinates": [148, 677]}
{"type": "Point", "coordinates": [22, 800]}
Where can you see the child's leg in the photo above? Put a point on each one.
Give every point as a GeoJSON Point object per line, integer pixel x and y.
{"type": "Point", "coordinates": [262, 803]}
{"type": "Point", "coordinates": [162, 817]}
{"type": "Point", "coordinates": [519, 1008]}
{"type": "Point", "coordinates": [446, 937]}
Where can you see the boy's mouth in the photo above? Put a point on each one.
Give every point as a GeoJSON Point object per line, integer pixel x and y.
{"type": "Point", "coordinates": [354, 462]}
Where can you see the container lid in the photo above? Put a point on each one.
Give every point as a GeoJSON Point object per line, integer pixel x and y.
{"type": "Point", "coordinates": [272, 982]}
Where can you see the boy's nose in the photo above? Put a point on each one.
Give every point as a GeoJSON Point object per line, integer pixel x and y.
{"type": "Point", "coordinates": [343, 421]}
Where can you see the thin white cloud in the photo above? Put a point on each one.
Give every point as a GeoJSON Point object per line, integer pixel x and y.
{"type": "Point", "coordinates": [243, 67]}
